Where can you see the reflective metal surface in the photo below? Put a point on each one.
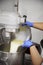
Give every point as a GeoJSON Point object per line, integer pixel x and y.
{"type": "Point", "coordinates": [10, 58]}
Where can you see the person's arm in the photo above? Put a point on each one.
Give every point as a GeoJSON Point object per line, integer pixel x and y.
{"type": "Point", "coordinates": [38, 25]}
{"type": "Point", "coordinates": [36, 58]}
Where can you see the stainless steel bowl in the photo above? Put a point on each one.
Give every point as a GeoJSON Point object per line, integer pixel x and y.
{"type": "Point", "coordinates": [11, 58]}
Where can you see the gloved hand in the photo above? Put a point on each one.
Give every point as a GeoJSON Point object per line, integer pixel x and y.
{"type": "Point", "coordinates": [27, 44]}
{"type": "Point", "coordinates": [28, 24]}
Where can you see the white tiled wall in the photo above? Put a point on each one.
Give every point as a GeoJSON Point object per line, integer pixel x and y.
{"type": "Point", "coordinates": [7, 5]}
{"type": "Point", "coordinates": [32, 8]}
{"type": "Point", "coordinates": [7, 11]}
{"type": "Point", "coordinates": [37, 35]}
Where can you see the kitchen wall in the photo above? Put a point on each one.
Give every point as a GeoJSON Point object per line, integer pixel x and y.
{"type": "Point", "coordinates": [33, 9]}
{"type": "Point", "coordinates": [7, 5]}
{"type": "Point", "coordinates": [7, 11]}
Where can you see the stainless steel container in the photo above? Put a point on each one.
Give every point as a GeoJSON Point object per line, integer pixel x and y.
{"type": "Point", "coordinates": [11, 59]}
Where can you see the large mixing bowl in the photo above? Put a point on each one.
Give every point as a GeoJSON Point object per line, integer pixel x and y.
{"type": "Point", "coordinates": [11, 58]}
{"type": "Point", "coordinates": [22, 34]}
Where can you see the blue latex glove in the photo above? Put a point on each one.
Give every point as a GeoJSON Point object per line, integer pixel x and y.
{"type": "Point", "coordinates": [28, 24]}
{"type": "Point", "coordinates": [27, 44]}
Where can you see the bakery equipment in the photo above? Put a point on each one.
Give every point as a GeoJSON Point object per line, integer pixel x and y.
{"type": "Point", "coordinates": [10, 58]}
{"type": "Point", "coordinates": [15, 32]}
{"type": "Point", "coordinates": [13, 29]}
